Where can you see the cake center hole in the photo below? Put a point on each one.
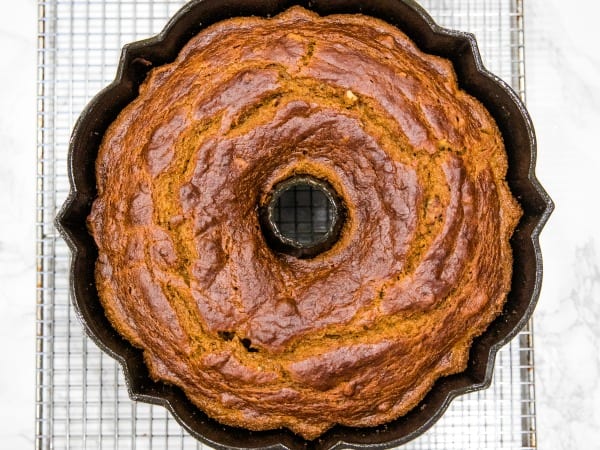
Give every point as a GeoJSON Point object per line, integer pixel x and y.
{"type": "Point", "coordinates": [303, 216]}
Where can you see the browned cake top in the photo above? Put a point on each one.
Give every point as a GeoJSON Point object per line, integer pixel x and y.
{"type": "Point", "coordinates": [358, 334]}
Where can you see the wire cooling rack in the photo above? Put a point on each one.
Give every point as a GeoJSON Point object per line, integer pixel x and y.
{"type": "Point", "coordinates": [81, 397]}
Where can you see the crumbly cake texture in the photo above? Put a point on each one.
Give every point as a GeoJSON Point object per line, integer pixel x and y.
{"type": "Point", "coordinates": [359, 334]}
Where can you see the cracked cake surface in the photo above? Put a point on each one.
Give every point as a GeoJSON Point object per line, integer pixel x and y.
{"type": "Point", "coordinates": [358, 334]}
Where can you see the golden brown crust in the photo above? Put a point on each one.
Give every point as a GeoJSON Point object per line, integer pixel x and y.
{"type": "Point", "coordinates": [358, 334]}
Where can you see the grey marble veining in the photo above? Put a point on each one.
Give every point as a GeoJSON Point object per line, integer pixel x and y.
{"type": "Point", "coordinates": [563, 85]}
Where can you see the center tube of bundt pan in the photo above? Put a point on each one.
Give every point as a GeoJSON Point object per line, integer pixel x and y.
{"type": "Point", "coordinates": [302, 217]}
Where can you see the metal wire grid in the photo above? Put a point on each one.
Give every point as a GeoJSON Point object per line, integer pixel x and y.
{"type": "Point", "coordinates": [81, 398]}
{"type": "Point", "coordinates": [303, 213]}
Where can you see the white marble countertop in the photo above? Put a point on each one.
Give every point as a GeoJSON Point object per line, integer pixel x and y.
{"type": "Point", "coordinates": [563, 96]}
{"type": "Point", "coordinates": [17, 229]}
{"type": "Point", "coordinates": [563, 93]}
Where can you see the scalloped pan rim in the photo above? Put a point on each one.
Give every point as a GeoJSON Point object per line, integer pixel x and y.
{"type": "Point", "coordinates": [502, 102]}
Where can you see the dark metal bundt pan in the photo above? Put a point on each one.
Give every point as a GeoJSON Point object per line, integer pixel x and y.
{"type": "Point", "coordinates": [504, 105]}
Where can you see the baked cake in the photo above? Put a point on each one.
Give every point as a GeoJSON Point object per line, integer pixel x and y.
{"type": "Point", "coordinates": [359, 333]}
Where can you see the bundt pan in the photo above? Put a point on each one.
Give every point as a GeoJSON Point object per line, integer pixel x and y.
{"type": "Point", "coordinates": [504, 105]}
